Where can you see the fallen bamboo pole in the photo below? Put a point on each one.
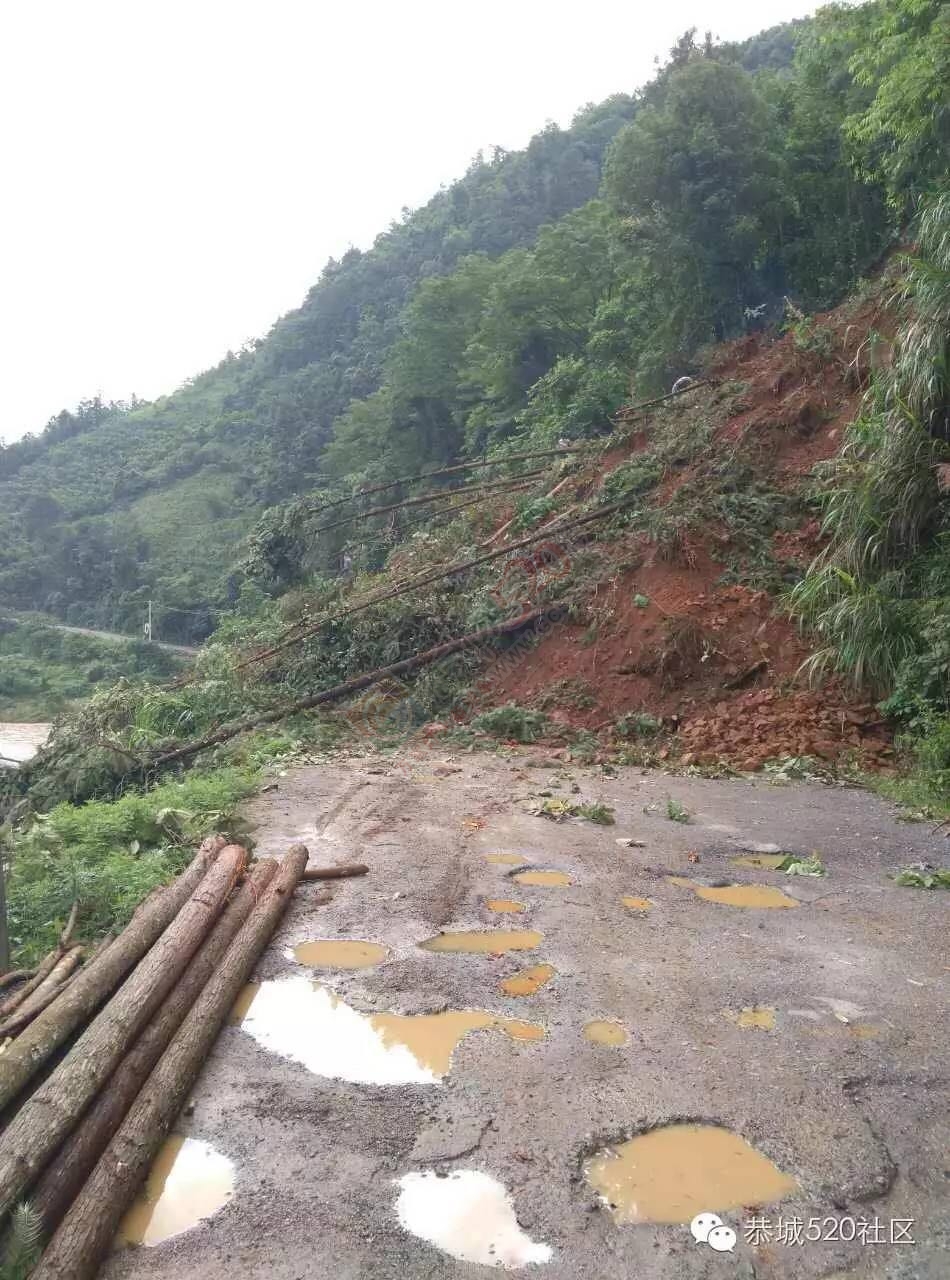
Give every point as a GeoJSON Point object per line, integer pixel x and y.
{"type": "Point", "coordinates": [626, 413]}
{"type": "Point", "coordinates": [45, 993]}
{"type": "Point", "coordinates": [563, 452]}
{"type": "Point", "coordinates": [96, 982]}
{"type": "Point", "coordinates": [86, 1233]}
{"type": "Point", "coordinates": [75, 1160]}
{"type": "Point", "coordinates": [435, 495]}
{"type": "Point", "coordinates": [435, 575]}
{"type": "Point", "coordinates": [355, 685]}
{"type": "Point", "coordinates": [335, 873]}
{"type": "Point", "coordinates": [50, 1113]}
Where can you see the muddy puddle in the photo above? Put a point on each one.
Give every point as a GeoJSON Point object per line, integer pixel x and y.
{"type": "Point", "coordinates": [188, 1182]}
{"type": "Point", "coordinates": [468, 1215]}
{"type": "Point", "coordinates": [505, 906]}
{"type": "Point", "coordinates": [601, 1031]}
{"type": "Point", "coordinates": [636, 904]}
{"type": "Point", "coordinates": [340, 953]}
{"type": "Point", "coordinates": [752, 1017]}
{"type": "Point", "coordinates": [528, 981]}
{"type": "Point", "coordinates": [671, 1174]}
{"type": "Point", "coordinates": [302, 1021]}
{"type": "Point", "coordinates": [758, 896]}
{"type": "Point", "coordinates": [760, 861]}
{"type": "Point", "coordinates": [549, 879]}
{"type": "Point", "coordinates": [506, 859]}
{"type": "Point", "coordinates": [479, 942]}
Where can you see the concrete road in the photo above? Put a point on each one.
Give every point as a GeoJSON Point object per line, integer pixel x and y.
{"type": "Point", "coordinates": [816, 1032]}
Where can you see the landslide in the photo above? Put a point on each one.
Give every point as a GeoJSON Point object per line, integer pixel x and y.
{"type": "Point", "coordinates": [682, 621]}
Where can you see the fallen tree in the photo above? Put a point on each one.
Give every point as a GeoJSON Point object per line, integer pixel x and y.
{"type": "Point", "coordinates": [86, 1233]}
{"type": "Point", "coordinates": [75, 1160]}
{"type": "Point", "coordinates": [53, 1109]}
{"type": "Point", "coordinates": [335, 873]}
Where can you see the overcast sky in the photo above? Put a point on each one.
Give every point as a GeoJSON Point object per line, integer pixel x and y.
{"type": "Point", "coordinates": [176, 172]}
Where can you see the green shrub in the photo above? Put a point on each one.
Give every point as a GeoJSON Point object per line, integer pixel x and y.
{"type": "Point", "coordinates": [517, 724]}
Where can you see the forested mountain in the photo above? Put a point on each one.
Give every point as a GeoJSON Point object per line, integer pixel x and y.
{"type": "Point", "coordinates": [523, 303]}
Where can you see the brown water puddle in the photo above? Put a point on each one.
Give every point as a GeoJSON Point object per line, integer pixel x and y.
{"type": "Point", "coordinates": [506, 859]}
{"type": "Point", "coordinates": [753, 1017]}
{"type": "Point", "coordinates": [761, 861]}
{"type": "Point", "coordinates": [549, 878]}
{"type": "Point", "coordinates": [432, 1038]}
{"type": "Point", "coordinates": [306, 1023]}
{"type": "Point", "coordinates": [477, 942]}
{"type": "Point", "coordinates": [671, 1174]}
{"type": "Point", "coordinates": [637, 904]}
{"type": "Point", "coordinates": [528, 981]}
{"type": "Point", "coordinates": [609, 1033]}
{"type": "Point", "coordinates": [738, 895]}
{"type": "Point", "coordinates": [340, 953]}
{"type": "Point", "coordinates": [505, 906]}
{"type": "Point", "coordinates": [188, 1182]}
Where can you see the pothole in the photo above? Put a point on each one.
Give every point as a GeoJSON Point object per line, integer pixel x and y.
{"type": "Point", "coordinates": [760, 896]}
{"type": "Point", "coordinates": [478, 942]}
{"type": "Point", "coordinates": [308, 1024]}
{"type": "Point", "coordinates": [546, 878]}
{"type": "Point", "coordinates": [636, 904]}
{"type": "Point", "coordinates": [505, 906]}
{"type": "Point", "coordinates": [468, 1215]}
{"type": "Point", "coordinates": [761, 861]}
{"type": "Point", "coordinates": [673, 1173]}
{"type": "Point", "coordinates": [188, 1182]}
{"type": "Point", "coordinates": [600, 1031]}
{"type": "Point", "coordinates": [752, 1017]}
{"type": "Point", "coordinates": [340, 953]}
{"type": "Point", "coordinates": [506, 859]}
{"type": "Point", "coordinates": [528, 981]}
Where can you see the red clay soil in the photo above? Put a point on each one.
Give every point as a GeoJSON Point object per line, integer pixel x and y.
{"type": "Point", "coordinates": [717, 663]}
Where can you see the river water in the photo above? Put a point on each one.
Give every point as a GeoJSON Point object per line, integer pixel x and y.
{"type": "Point", "coordinates": [18, 742]}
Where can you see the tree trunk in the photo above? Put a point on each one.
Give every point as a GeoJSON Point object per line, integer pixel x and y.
{"type": "Point", "coordinates": [44, 994]}
{"type": "Point", "coordinates": [335, 873]}
{"type": "Point", "coordinates": [76, 1159]}
{"type": "Point", "coordinates": [21, 1061]}
{"type": "Point", "coordinates": [40, 974]}
{"type": "Point", "coordinates": [55, 1108]}
{"type": "Point", "coordinates": [86, 1233]}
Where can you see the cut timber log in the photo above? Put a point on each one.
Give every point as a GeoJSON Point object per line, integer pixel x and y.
{"type": "Point", "coordinates": [50, 1113]}
{"type": "Point", "coordinates": [41, 973]}
{"type": "Point", "coordinates": [23, 1059]}
{"type": "Point", "coordinates": [86, 1233]}
{"type": "Point", "coordinates": [15, 975]}
{"type": "Point", "coordinates": [335, 873]}
{"type": "Point", "coordinates": [76, 1159]}
{"type": "Point", "coordinates": [44, 994]}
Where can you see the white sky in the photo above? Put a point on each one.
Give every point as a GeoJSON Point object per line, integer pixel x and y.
{"type": "Point", "coordinates": [177, 172]}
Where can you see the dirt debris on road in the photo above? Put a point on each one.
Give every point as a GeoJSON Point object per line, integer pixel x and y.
{"type": "Point", "coordinates": [815, 1038]}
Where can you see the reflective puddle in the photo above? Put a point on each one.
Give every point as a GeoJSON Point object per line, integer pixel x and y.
{"type": "Point", "coordinates": [506, 859]}
{"type": "Point", "coordinates": [761, 861]}
{"type": "Point", "coordinates": [637, 904]}
{"type": "Point", "coordinates": [188, 1182]}
{"type": "Point", "coordinates": [528, 981]}
{"type": "Point", "coordinates": [738, 895]}
{"type": "Point", "coordinates": [310, 1025]}
{"type": "Point", "coordinates": [478, 942]}
{"type": "Point", "coordinates": [671, 1174]}
{"type": "Point", "coordinates": [603, 1032]}
{"type": "Point", "coordinates": [542, 877]}
{"type": "Point", "coordinates": [752, 1017]}
{"type": "Point", "coordinates": [340, 953]}
{"type": "Point", "coordinates": [505, 906]}
{"type": "Point", "coordinates": [469, 1216]}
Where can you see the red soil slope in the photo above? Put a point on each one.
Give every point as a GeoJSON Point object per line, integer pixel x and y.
{"type": "Point", "coordinates": [718, 663]}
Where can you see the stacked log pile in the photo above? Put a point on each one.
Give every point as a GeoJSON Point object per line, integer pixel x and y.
{"type": "Point", "coordinates": [103, 1056]}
